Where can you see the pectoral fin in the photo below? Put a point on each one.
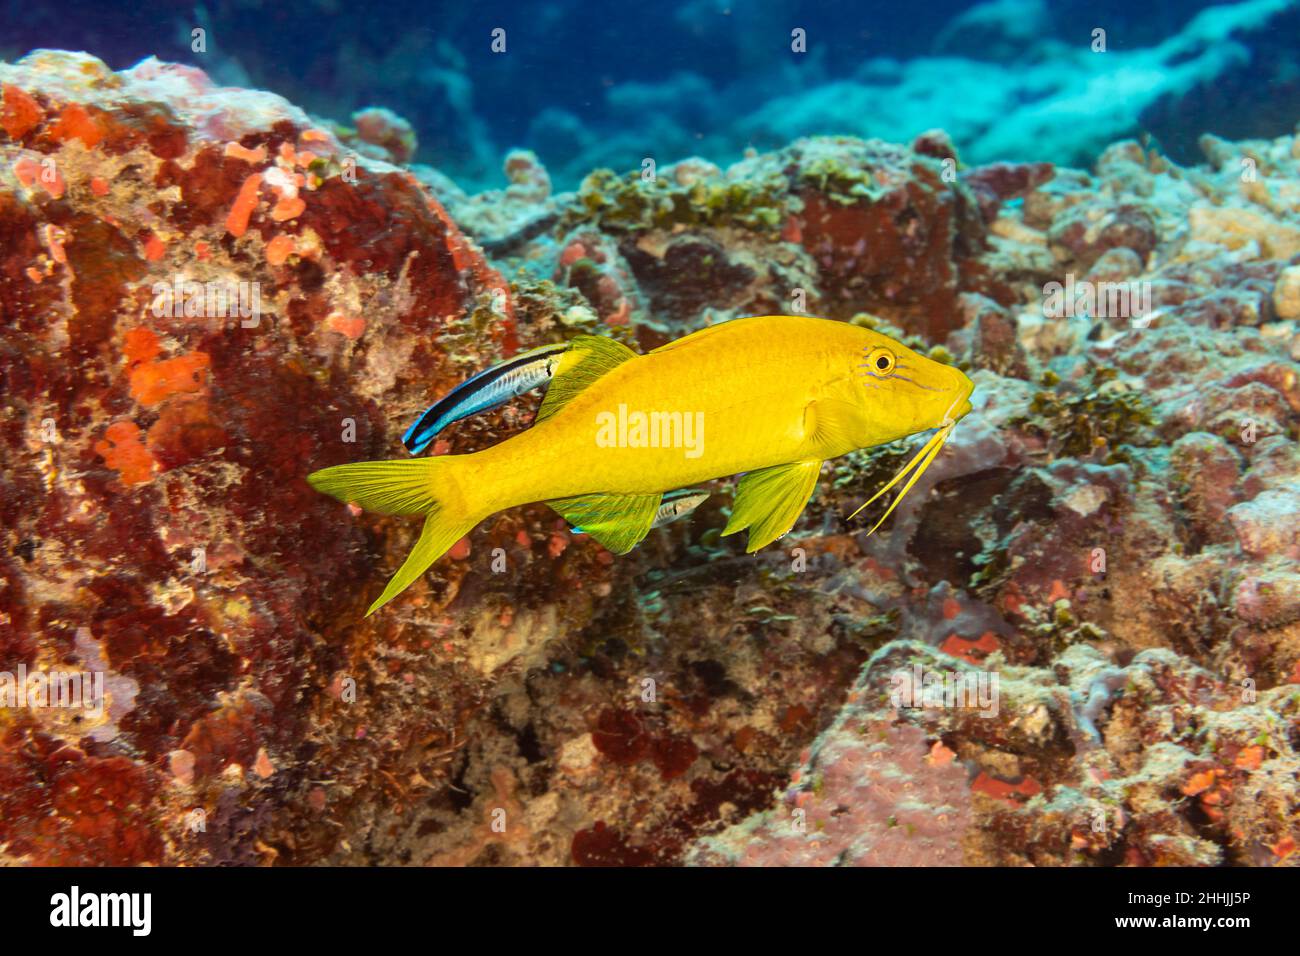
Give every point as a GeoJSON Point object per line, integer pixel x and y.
{"type": "Point", "coordinates": [769, 501]}
{"type": "Point", "coordinates": [618, 522]}
{"type": "Point", "coordinates": [828, 422]}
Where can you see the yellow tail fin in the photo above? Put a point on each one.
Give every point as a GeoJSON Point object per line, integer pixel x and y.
{"type": "Point", "coordinates": [425, 486]}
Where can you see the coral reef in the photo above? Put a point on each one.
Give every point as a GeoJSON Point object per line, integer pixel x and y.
{"type": "Point", "coordinates": [206, 293]}
{"type": "Point", "coordinates": [1010, 80]}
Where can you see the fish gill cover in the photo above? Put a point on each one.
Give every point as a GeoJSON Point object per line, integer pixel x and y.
{"type": "Point", "coordinates": [240, 243]}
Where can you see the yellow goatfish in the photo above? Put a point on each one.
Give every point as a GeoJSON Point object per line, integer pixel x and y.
{"type": "Point", "coordinates": [768, 398]}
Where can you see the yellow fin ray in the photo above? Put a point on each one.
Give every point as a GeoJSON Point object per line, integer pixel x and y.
{"type": "Point", "coordinates": [427, 486]}
{"type": "Point", "coordinates": [618, 522]}
{"type": "Point", "coordinates": [440, 532]}
{"type": "Point", "coordinates": [388, 487]}
{"type": "Point", "coordinates": [588, 358]}
{"type": "Point", "coordinates": [770, 500]}
{"type": "Point", "coordinates": [828, 422]}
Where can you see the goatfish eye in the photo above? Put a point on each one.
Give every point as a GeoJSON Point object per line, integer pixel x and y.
{"type": "Point", "coordinates": [881, 361]}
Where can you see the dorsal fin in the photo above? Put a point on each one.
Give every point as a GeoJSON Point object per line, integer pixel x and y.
{"type": "Point", "coordinates": [587, 359]}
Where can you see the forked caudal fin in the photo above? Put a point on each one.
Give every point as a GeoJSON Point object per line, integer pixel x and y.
{"type": "Point", "coordinates": [426, 487]}
{"type": "Point", "coordinates": [430, 486]}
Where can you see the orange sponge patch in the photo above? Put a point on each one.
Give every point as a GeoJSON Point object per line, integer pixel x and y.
{"type": "Point", "coordinates": [30, 172]}
{"type": "Point", "coordinates": [254, 156]}
{"type": "Point", "coordinates": [19, 112]}
{"type": "Point", "coordinates": [154, 248]}
{"type": "Point", "coordinates": [279, 249]}
{"type": "Point", "coordinates": [122, 451]}
{"type": "Point", "coordinates": [351, 327]}
{"type": "Point", "coordinates": [290, 207]}
{"type": "Point", "coordinates": [245, 203]}
{"type": "Point", "coordinates": [141, 346]}
{"type": "Point", "coordinates": [75, 123]}
{"type": "Point", "coordinates": [151, 382]}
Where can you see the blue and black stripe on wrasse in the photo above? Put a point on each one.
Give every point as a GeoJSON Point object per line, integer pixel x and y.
{"type": "Point", "coordinates": [485, 391]}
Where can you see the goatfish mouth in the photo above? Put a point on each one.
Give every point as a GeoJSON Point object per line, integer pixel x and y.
{"type": "Point", "coordinates": [919, 462]}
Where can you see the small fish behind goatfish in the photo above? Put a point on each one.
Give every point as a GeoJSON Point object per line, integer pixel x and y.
{"type": "Point", "coordinates": [769, 398]}
{"type": "Point", "coordinates": [676, 504]}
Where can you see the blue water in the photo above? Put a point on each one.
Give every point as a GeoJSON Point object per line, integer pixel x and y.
{"type": "Point", "coordinates": [586, 84]}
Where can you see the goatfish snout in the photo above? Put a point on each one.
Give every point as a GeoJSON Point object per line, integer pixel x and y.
{"type": "Point", "coordinates": [923, 395]}
{"type": "Point", "coordinates": [961, 390]}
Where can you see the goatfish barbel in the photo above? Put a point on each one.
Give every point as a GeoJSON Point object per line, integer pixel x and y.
{"type": "Point", "coordinates": [768, 398]}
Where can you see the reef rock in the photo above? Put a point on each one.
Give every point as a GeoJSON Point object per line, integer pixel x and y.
{"type": "Point", "coordinates": [206, 294]}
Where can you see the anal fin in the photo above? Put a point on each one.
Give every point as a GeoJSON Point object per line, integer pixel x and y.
{"type": "Point", "coordinates": [770, 500]}
{"type": "Point", "coordinates": [618, 522]}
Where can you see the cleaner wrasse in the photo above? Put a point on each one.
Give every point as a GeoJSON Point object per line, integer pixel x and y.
{"type": "Point", "coordinates": [483, 392]}
{"type": "Point", "coordinates": [768, 398]}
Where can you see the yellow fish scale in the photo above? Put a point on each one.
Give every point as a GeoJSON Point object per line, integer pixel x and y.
{"type": "Point", "coordinates": [749, 382]}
